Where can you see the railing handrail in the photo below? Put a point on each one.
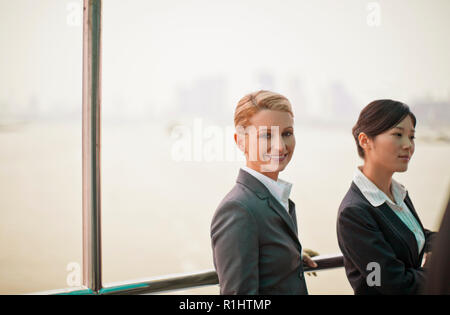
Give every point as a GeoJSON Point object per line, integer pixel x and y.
{"type": "Point", "coordinates": [180, 281]}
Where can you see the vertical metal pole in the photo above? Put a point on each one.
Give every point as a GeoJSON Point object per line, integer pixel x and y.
{"type": "Point", "coordinates": [92, 271]}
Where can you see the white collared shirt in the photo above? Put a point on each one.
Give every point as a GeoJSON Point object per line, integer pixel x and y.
{"type": "Point", "coordinates": [376, 197]}
{"type": "Point", "coordinates": [280, 189]}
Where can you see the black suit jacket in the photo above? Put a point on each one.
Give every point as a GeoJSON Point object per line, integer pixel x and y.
{"type": "Point", "coordinates": [376, 234]}
{"type": "Point", "coordinates": [438, 281]}
{"type": "Point", "coordinates": [255, 244]}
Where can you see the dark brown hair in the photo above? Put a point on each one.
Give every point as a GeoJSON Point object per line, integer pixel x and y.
{"type": "Point", "coordinates": [378, 117]}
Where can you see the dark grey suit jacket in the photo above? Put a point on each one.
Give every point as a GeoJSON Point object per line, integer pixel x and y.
{"type": "Point", "coordinates": [255, 244]}
{"type": "Point", "coordinates": [376, 234]}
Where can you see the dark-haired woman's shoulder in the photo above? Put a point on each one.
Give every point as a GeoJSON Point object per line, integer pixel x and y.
{"type": "Point", "coordinates": [355, 212]}
{"type": "Point", "coordinates": [354, 199]}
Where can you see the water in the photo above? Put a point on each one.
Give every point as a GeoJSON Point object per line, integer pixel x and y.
{"type": "Point", "coordinates": [156, 212]}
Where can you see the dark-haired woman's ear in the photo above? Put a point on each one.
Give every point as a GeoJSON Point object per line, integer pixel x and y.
{"type": "Point", "coordinates": [363, 140]}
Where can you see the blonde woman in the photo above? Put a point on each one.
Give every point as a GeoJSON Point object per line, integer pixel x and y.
{"type": "Point", "coordinates": [254, 237]}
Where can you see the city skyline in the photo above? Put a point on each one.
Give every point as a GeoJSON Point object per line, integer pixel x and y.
{"type": "Point", "coordinates": [207, 98]}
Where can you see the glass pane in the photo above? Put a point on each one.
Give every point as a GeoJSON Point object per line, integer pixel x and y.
{"type": "Point", "coordinates": [173, 73]}
{"type": "Point", "coordinates": [40, 145]}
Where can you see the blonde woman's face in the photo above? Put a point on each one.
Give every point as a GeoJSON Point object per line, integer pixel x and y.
{"type": "Point", "coordinates": [269, 141]}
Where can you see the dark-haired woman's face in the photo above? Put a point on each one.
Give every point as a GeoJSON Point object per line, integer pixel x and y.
{"type": "Point", "coordinates": [393, 149]}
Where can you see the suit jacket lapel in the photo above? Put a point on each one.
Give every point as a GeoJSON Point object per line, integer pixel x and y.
{"type": "Point", "coordinates": [293, 214]}
{"type": "Point", "coordinates": [402, 231]}
{"type": "Point", "coordinates": [413, 211]}
{"type": "Point", "coordinates": [281, 211]}
{"type": "Point", "coordinates": [399, 227]}
{"type": "Point", "coordinates": [263, 193]}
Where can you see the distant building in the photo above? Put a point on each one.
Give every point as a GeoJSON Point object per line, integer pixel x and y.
{"type": "Point", "coordinates": [297, 96]}
{"type": "Point", "coordinates": [431, 112]}
{"type": "Point", "coordinates": [266, 81]}
{"type": "Point", "coordinates": [342, 104]}
{"type": "Point", "coordinates": [206, 97]}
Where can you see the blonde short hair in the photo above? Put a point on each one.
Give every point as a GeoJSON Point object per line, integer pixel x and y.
{"type": "Point", "coordinates": [254, 102]}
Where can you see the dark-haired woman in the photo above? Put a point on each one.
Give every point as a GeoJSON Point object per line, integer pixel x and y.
{"type": "Point", "coordinates": [379, 232]}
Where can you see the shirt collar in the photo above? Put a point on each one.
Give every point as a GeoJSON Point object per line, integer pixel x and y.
{"type": "Point", "coordinates": [280, 189]}
{"type": "Point", "coordinates": [374, 195]}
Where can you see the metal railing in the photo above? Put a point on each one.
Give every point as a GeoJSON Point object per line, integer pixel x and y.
{"type": "Point", "coordinates": [179, 282]}
{"type": "Point", "coordinates": [189, 281]}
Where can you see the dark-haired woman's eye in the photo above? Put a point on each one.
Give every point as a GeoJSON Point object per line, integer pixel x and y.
{"type": "Point", "coordinates": [287, 134]}
{"type": "Point", "coordinates": [397, 134]}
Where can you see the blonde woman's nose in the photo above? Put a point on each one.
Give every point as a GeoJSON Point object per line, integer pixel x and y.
{"type": "Point", "coordinates": [278, 144]}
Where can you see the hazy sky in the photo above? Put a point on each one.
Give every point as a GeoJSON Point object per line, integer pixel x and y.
{"type": "Point", "coordinates": [153, 48]}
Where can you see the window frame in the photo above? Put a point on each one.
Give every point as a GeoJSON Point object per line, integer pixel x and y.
{"type": "Point", "coordinates": [91, 168]}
